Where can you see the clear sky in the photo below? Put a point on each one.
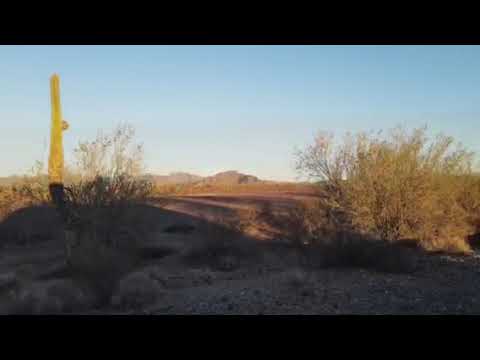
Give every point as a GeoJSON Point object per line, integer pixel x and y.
{"type": "Point", "coordinates": [204, 109]}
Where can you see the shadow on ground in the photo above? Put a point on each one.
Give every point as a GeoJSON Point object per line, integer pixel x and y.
{"type": "Point", "coordinates": [186, 263]}
{"type": "Point", "coordinates": [33, 253]}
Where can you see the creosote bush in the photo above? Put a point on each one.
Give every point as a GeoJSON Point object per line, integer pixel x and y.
{"type": "Point", "coordinates": [104, 210]}
{"type": "Point", "coordinates": [110, 154]}
{"type": "Point", "coordinates": [344, 249]}
{"type": "Point", "coordinates": [105, 230]}
{"type": "Point", "coordinates": [396, 187]}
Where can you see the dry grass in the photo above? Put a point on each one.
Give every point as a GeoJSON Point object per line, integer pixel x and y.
{"type": "Point", "coordinates": [261, 187]}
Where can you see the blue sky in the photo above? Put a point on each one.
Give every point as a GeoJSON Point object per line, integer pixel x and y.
{"type": "Point", "coordinates": [204, 109]}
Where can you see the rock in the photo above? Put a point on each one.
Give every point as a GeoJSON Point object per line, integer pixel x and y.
{"type": "Point", "coordinates": [7, 280]}
{"type": "Point", "coordinates": [137, 290]}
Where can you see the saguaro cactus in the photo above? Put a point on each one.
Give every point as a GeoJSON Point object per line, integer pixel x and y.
{"type": "Point", "coordinates": [56, 164]}
{"type": "Point", "coordinates": [56, 161]}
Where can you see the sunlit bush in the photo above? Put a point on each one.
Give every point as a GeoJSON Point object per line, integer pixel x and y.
{"type": "Point", "coordinates": [396, 187]}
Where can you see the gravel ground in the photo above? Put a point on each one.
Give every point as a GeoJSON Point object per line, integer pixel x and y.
{"type": "Point", "coordinates": [441, 285]}
{"type": "Point", "coordinates": [275, 284]}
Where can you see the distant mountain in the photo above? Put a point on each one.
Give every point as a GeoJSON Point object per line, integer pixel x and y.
{"type": "Point", "coordinates": [174, 178]}
{"type": "Point", "coordinates": [224, 178]}
{"type": "Point", "coordinates": [229, 178]}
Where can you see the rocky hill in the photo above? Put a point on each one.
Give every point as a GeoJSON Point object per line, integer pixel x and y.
{"type": "Point", "coordinates": [230, 178]}
{"type": "Point", "coordinates": [174, 178]}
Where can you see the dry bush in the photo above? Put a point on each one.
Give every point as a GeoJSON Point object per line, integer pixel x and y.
{"type": "Point", "coordinates": [109, 188]}
{"type": "Point", "coordinates": [402, 186]}
{"type": "Point", "coordinates": [108, 204]}
{"type": "Point", "coordinates": [105, 230]}
{"type": "Point", "coordinates": [34, 186]}
{"type": "Point", "coordinates": [104, 213]}
{"type": "Point", "coordinates": [103, 222]}
{"type": "Point", "coordinates": [352, 250]}
{"type": "Point", "coordinates": [110, 155]}
{"type": "Point", "coordinates": [323, 242]}
{"type": "Point", "coordinates": [117, 191]}
{"type": "Point", "coordinates": [470, 201]}
{"type": "Point", "coordinates": [304, 222]}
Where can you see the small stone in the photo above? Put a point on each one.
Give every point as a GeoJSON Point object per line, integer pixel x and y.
{"type": "Point", "coordinates": [7, 280]}
{"type": "Point", "coordinates": [136, 290]}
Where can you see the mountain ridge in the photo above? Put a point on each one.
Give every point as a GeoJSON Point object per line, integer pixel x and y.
{"type": "Point", "coordinates": [223, 177]}
{"type": "Point", "coordinates": [229, 177]}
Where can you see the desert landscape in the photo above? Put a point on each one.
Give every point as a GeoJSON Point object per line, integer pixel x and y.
{"type": "Point", "coordinates": [262, 215]}
{"type": "Point", "coordinates": [192, 257]}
